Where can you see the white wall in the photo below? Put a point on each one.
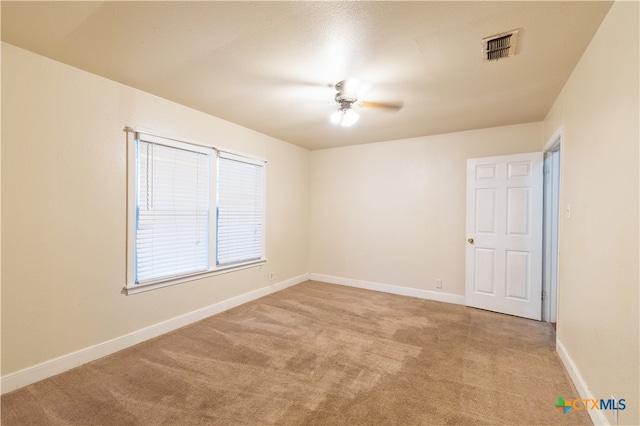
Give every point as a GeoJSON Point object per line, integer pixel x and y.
{"type": "Point", "coordinates": [394, 212]}
{"type": "Point", "coordinates": [599, 270]}
{"type": "Point", "coordinates": [64, 209]}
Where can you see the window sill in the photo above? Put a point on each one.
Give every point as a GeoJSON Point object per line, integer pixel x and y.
{"type": "Point", "coordinates": [139, 288]}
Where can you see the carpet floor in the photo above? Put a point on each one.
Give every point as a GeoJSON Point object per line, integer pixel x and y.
{"type": "Point", "coordinates": [318, 354]}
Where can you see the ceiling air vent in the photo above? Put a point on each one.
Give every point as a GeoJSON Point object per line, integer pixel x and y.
{"type": "Point", "coordinates": [500, 45]}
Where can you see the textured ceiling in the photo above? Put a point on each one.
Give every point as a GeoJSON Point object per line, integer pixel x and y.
{"type": "Point", "coordinates": [270, 66]}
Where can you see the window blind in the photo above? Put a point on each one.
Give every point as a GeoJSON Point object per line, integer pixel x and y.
{"type": "Point", "coordinates": [240, 210]}
{"type": "Point", "coordinates": [172, 212]}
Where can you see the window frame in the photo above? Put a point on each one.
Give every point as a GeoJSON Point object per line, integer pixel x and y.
{"type": "Point", "coordinates": [133, 136]}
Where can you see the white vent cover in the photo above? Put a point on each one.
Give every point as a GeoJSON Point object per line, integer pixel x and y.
{"type": "Point", "coordinates": [500, 45]}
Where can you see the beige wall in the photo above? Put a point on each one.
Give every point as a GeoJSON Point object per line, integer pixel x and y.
{"type": "Point", "coordinates": [390, 212]}
{"type": "Point", "coordinates": [394, 212]}
{"type": "Point", "coordinates": [64, 209]}
{"type": "Point", "coordinates": [599, 271]}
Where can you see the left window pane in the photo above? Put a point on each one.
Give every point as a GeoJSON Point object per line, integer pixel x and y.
{"type": "Point", "coordinates": [172, 212]}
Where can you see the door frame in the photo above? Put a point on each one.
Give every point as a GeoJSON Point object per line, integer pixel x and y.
{"type": "Point", "coordinates": [551, 225]}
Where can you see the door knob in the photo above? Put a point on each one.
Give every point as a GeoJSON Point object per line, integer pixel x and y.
{"type": "Point", "coordinates": [470, 240]}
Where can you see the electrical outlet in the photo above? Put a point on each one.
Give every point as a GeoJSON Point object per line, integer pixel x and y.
{"type": "Point", "coordinates": [438, 283]}
{"type": "Point", "coordinates": [272, 276]}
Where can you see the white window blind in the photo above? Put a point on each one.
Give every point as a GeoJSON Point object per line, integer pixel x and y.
{"type": "Point", "coordinates": [172, 211]}
{"type": "Point", "coordinates": [240, 210]}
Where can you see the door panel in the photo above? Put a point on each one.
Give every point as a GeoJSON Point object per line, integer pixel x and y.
{"type": "Point", "coordinates": [518, 270]}
{"type": "Point", "coordinates": [518, 208]}
{"type": "Point", "coordinates": [485, 273]}
{"type": "Point", "coordinates": [504, 228]}
{"type": "Point", "coordinates": [485, 211]}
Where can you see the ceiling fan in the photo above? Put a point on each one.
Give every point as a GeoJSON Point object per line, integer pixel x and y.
{"type": "Point", "coordinates": [346, 97]}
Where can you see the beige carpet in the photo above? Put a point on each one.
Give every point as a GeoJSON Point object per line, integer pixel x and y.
{"type": "Point", "coordinates": [318, 354]}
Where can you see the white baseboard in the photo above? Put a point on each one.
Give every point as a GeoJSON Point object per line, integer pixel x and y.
{"type": "Point", "coordinates": [29, 375]}
{"type": "Point", "coordinates": [597, 417]}
{"type": "Point", "coordinates": [390, 288]}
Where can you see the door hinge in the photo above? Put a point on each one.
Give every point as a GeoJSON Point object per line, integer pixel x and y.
{"type": "Point", "coordinates": [545, 170]}
{"type": "Point", "coordinates": [542, 295]}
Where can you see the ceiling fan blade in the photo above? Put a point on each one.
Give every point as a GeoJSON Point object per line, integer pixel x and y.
{"type": "Point", "coordinates": [307, 83]}
{"type": "Point", "coordinates": [385, 105]}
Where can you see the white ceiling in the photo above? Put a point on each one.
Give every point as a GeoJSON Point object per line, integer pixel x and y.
{"type": "Point", "coordinates": [270, 66]}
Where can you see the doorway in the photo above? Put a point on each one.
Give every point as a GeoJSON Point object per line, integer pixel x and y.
{"type": "Point", "coordinates": [551, 222]}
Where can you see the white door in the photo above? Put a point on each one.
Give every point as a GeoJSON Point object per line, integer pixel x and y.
{"type": "Point", "coordinates": [504, 234]}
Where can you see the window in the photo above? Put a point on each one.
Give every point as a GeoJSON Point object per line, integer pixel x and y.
{"type": "Point", "coordinates": [194, 210]}
{"type": "Point", "coordinates": [240, 210]}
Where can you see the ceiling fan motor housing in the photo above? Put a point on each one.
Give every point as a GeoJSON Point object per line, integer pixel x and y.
{"type": "Point", "coordinates": [343, 97]}
{"type": "Point", "coordinates": [345, 101]}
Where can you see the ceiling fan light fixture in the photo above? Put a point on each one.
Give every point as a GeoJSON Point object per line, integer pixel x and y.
{"type": "Point", "coordinates": [336, 117]}
{"type": "Point", "coordinates": [349, 118]}
{"type": "Point", "coordinates": [345, 117]}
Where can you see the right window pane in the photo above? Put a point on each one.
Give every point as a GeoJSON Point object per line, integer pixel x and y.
{"type": "Point", "coordinates": [240, 210]}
